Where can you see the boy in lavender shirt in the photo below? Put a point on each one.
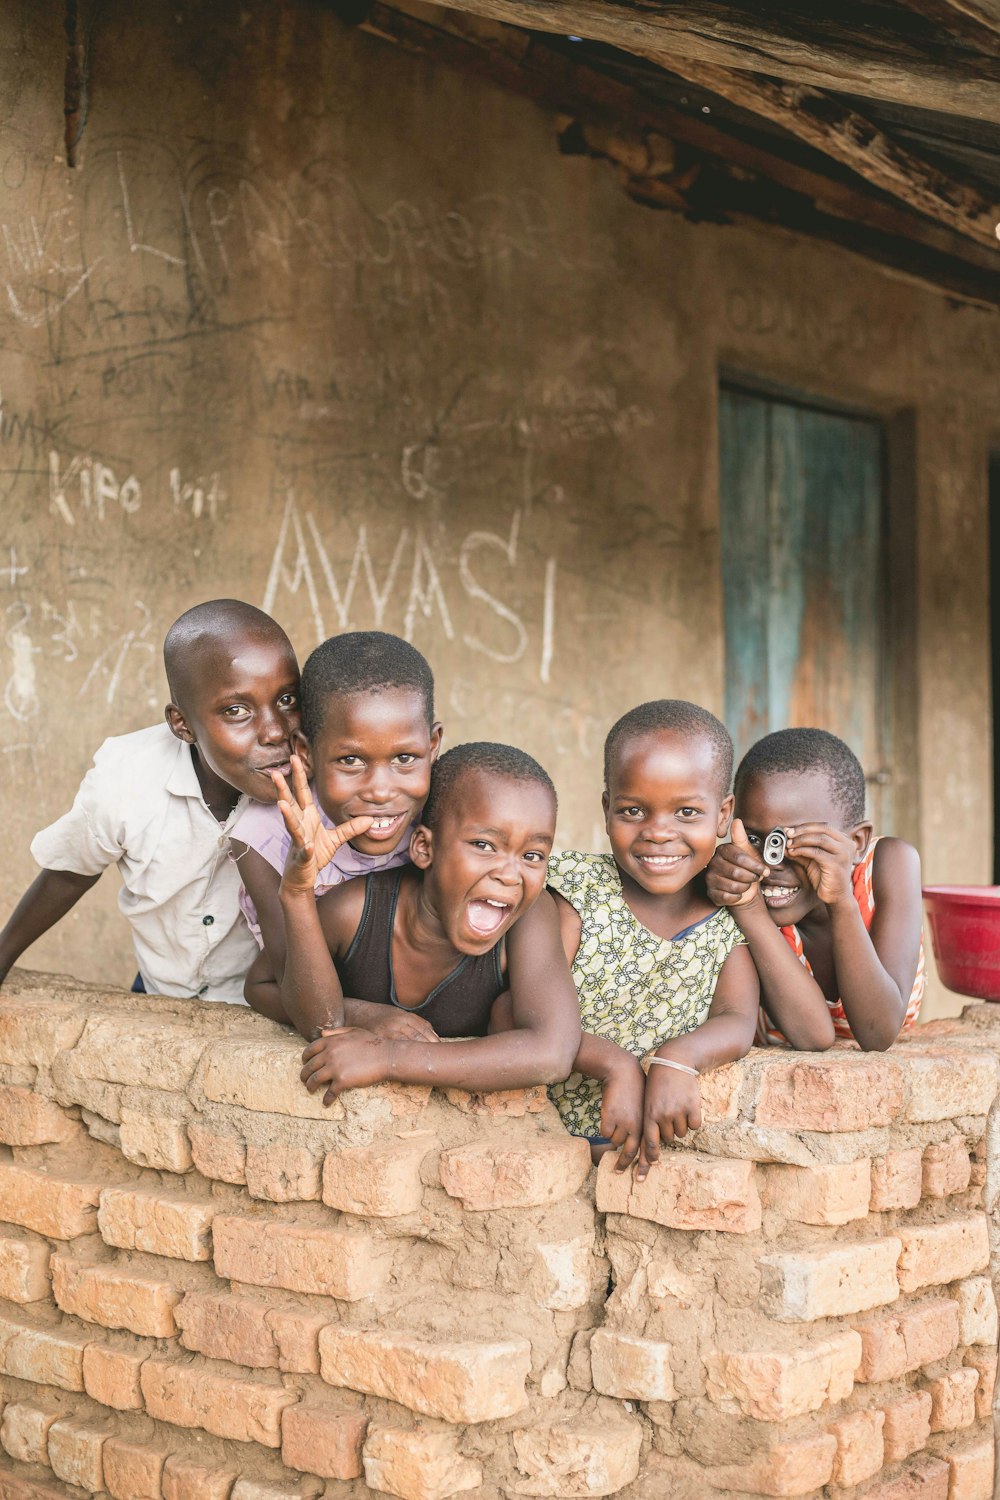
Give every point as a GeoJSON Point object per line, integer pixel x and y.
{"type": "Point", "coordinates": [368, 741]}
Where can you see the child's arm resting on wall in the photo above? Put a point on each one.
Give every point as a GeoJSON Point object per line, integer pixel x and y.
{"type": "Point", "coordinates": [793, 1000]}
{"type": "Point", "coordinates": [875, 968]}
{"type": "Point", "coordinates": [672, 1104]}
{"type": "Point", "coordinates": [617, 1071]}
{"type": "Point", "coordinates": [263, 885]}
{"type": "Point", "coordinates": [46, 901]}
{"type": "Point", "coordinates": [539, 1047]}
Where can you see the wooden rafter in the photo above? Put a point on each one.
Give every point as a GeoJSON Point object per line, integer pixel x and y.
{"type": "Point", "coordinates": [974, 21]}
{"type": "Point", "coordinates": [846, 136]}
{"type": "Point", "coordinates": [847, 53]}
{"type": "Point", "coordinates": [638, 133]}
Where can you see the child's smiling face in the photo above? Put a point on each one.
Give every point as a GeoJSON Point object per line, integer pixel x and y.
{"type": "Point", "coordinates": [787, 800]}
{"type": "Point", "coordinates": [373, 757]}
{"type": "Point", "coordinates": [665, 808]}
{"type": "Point", "coordinates": [486, 857]}
{"type": "Point", "coordinates": [240, 710]}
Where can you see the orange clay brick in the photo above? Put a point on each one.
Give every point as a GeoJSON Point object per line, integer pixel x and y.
{"type": "Point", "coordinates": [115, 1297]}
{"type": "Point", "coordinates": [24, 1267]}
{"type": "Point", "coordinates": [799, 1467]}
{"type": "Point", "coordinates": [631, 1368]}
{"type": "Point", "coordinates": [897, 1180]}
{"type": "Point", "coordinates": [925, 1479]}
{"type": "Point", "coordinates": [132, 1471]}
{"type": "Point", "coordinates": [75, 1453]}
{"type": "Point", "coordinates": [860, 1448]}
{"type": "Point", "coordinates": [835, 1193]}
{"type": "Point", "coordinates": [598, 1456]}
{"type": "Point", "coordinates": [29, 1119]}
{"type": "Point", "coordinates": [217, 1153]}
{"type": "Point", "coordinates": [772, 1387]}
{"type": "Point", "coordinates": [977, 1311]}
{"type": "Point", "coordinates": [499, 1174]}
{"type": "Point", "coordinates": [24, 1431]}
{"type": "Point", "coordinates": [685, 1190]}
{"type": "Point", "coordinates": [937, 1253]}
{"type": "Point", "coordinates": [512, 1103]}
{"type": "Point", "coordinates": [417, 1464]}
{"type": "Point", "coordinates": [835, 1094]}
{"type": "Point", "coordinates": [946, 1168]}
{"type": "Point", "coordinates": [984, 1362]}
{"type": "Point", "coordinates": [331, 1262]}
{"type": "Point", "coordinates": [246, 1488]}
{"type": "Point", "coordinates": [58, 1207]}
{"type": "Point", "coordinates": [318, 1440]}
{"type": "Point", "coordinates": [187, 1479]}
{"type": "Point", "coordinates": [228, 1327]}
{"type": "Point", "coordinates": [229, 1406]}
{"type": "Point", "coordinates": [844, 1278]}
{"type": "Point", "coordinates": [161, 1223]}
{"type": "Point", "coordinates": [282, 1173]}
{"type": "Point", "coordinates": [155, 1141]}
{"type": "Point", "coordinates": [44, 1355]}
{"type": "Point", "coordinates": [459, 1382]}
{"type": "Point", "coordinates": [907, 1338]}
{"type": "Point", "coordinates": [907, 1425]}
{"type": "Point", "coordinates": [953, 1400]}
{"type": "Point", "coordinates": [972, 1470]}
{"type": "Point", "coordinates": [381, 1181]}
{"type": "Point", "coordinates": [947, 1083]}
{"type": "Point", "coordinates": [111, 1375]}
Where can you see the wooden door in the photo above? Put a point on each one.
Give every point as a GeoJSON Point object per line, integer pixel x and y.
{"type": "Point", "coordinates": [802, 561]}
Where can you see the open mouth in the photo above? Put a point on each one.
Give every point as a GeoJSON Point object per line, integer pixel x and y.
{"type": "Point", "coordinates": [487, 917]}
{"type": "Point", "coordinates": [384, 827]}
{"type": "Point", "coordinates": [779, 895]}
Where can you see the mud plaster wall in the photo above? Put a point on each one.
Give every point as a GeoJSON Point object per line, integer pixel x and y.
{"type": "Point", "coordinates": [341, 332]}
{"type": "Point", "coordinates": [214, 1288]}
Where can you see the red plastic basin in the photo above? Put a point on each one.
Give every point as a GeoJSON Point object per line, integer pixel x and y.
{"type": "Point", "coordinates": [965, 931]}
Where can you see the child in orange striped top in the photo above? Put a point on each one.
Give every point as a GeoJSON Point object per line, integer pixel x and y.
{"type": "Point", "coordinates": [835, 927]}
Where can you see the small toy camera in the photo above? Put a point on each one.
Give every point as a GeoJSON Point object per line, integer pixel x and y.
{"type": "Point", "coordinates": [773, 848]}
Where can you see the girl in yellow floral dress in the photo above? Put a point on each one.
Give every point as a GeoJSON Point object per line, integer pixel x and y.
{"type": "Point", "coordinates": [658, 969]}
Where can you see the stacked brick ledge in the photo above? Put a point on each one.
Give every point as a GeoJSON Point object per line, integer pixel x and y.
{"type": "Point", "coordinates": [212, 1288]}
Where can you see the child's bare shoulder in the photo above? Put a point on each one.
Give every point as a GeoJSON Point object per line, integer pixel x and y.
{"type": "Point", "coordinates": [340, 912]}
{"type": "Point", "coordinates": [895, 866]}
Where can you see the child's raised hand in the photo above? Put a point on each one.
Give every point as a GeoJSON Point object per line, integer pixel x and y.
{"type": "Point", "coordinates": [622, 1095]}
{"type": "Point", "coordinates": [348, 1058]}
{"type": "Point", "coordinates": [734, 875]}
{"type": "Point", "coordinates": [826, 856]}
{"type": "Point", "coordinates": [313, 844]}
{"type": "Point", "coordinates": [672, 1107]}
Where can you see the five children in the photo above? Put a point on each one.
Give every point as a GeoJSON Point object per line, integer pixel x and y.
{"type": "Point", "coordinates": [616, 979]}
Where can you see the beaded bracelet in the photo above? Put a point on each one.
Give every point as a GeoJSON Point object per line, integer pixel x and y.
{"type": "Point", "coordinates": [668, 1062]}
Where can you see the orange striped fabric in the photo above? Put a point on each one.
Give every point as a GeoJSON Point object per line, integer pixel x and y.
{"type": "Point", "coordinates": [864, 894]}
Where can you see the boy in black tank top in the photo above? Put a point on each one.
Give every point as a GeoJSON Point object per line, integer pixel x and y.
{"type": "Point", "coordinates": [441, 938]}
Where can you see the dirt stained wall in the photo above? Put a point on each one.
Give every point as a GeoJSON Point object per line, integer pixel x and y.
{"type": "Point", "coordinates": [340, 332]}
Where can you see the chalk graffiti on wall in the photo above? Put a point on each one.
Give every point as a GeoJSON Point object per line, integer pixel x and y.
{"type": "Point", "coordinates": [412, 587]}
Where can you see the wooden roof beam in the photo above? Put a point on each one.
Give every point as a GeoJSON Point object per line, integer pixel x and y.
{"type": "Point", "coordinates": [841, 133]}
{"type": "Point", "coordinates": [857, 54]}
{"type": "Point", "coordinates": [974, 21]}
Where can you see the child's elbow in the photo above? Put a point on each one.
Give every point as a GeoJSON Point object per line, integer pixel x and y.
{"type": "Point", "coordinates": [556, 1062]}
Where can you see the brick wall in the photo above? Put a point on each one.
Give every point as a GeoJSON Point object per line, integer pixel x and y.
{"type": "Point", "coordinates": [211, 1288]}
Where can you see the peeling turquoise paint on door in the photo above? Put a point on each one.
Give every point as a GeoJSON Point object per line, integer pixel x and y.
{"type": "Point", "coordinates": [801, 516]}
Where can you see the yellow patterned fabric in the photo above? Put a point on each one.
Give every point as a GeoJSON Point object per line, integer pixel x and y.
{"type": "Point", "coordinates": [635, 988]}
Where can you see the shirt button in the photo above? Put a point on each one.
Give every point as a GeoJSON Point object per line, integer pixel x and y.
{"type": "Point", "coordinates": [207, 921]}
{"type": "Point", "coordinates": [223, 842]}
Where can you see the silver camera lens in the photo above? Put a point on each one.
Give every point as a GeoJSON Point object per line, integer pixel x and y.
{"type": "Point", "coordinates": [773, 851]}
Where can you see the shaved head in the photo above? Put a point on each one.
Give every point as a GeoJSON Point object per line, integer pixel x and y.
{"type": "Point", "coordinates": [202, 634]}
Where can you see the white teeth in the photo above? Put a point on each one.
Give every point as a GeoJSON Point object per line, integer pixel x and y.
{"type": "Point", "coordinates": [502, 904]}
{"type": "Point", "coordinates": [383, 822]}
{"type": "Point", "coordinates": [775, 892]}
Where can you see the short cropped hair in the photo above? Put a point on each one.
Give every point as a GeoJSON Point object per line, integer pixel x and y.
{"type": "Point", "coordinates": [671, 716]}
{"type": "Point", "coordinates": [361, 661]}
{"type": "Point", "coordinates": [797, 752]}
{"type": "Point", "coordinates": [479, 755]}
{"type": "Point", "coordinates": [208, 628]}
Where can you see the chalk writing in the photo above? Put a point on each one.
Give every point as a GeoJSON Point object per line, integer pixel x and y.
{"type": "Point", "coordinates": [302, 561]}
{"type": "Point", "coordinates": [13, 571]}
{"type": "Point", "coordinates": [97, 488]}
